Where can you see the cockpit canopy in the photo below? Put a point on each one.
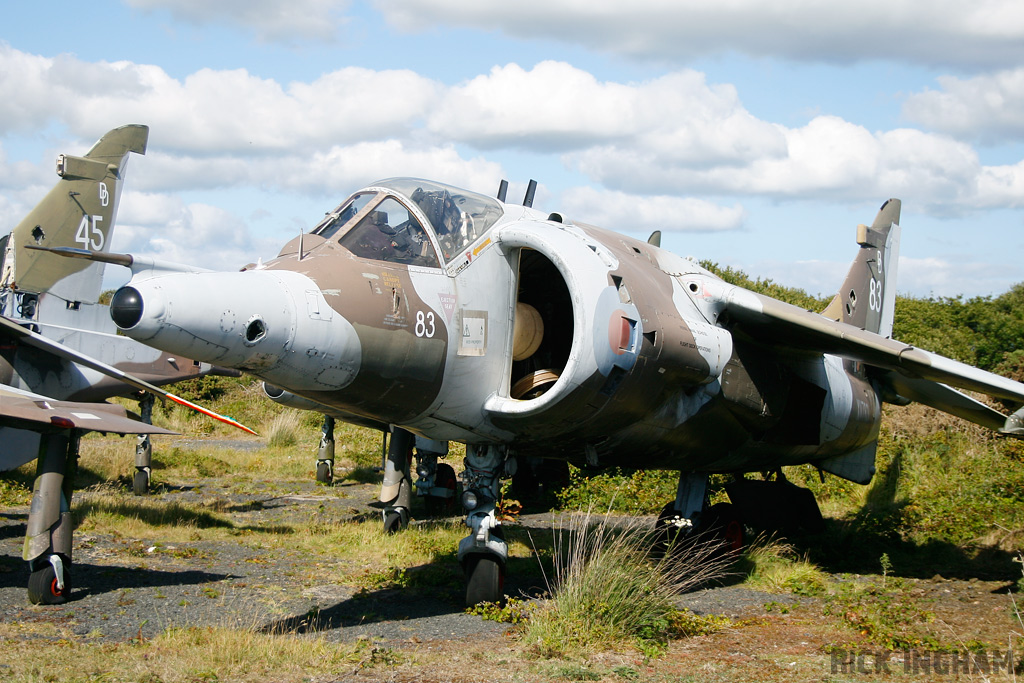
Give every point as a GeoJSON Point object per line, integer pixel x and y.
{"type": "Point", "coordinates": [410, 221]}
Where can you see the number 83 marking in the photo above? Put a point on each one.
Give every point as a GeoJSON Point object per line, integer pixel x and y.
{"type": "Point", "coordinates": [425, 324]}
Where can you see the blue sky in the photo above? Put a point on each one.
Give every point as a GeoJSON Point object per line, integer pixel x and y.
{"type": "Point", "coordinates": [755, 135]}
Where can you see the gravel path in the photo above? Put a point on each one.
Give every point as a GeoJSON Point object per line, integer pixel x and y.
{"type": "Point", "coordinates": [130, 587]}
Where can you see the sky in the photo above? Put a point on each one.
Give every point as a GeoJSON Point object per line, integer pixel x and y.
{"type": "Point", "coordinates": [755, 135]}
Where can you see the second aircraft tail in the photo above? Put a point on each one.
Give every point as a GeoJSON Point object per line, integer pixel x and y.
{"type": "Point", "coordinates": [78, 212]}
{"type": "Point", "coordinates": [867, 297]}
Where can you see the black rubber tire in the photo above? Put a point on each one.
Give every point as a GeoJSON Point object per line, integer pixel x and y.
{"type": "Point", "coordinates": [140, 483]}
{"type": "Point", "coordinates": [485, 580]}
{"type": "Point", "coordinates": [722, 521]}
{"type": "Point", "coordinates": [42, 586]}
{"type": "Point", "coordinates": [806, 513]}
{"type": "Point", "coordinates": [438, 506]}
{"type": "Point", "coordinates": [393, 522]}
{"type": "Point", "coordinates": [324, 473]}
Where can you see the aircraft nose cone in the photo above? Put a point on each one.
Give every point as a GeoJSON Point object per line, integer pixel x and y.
{"type": "Point", "coordinates": [126, 307]}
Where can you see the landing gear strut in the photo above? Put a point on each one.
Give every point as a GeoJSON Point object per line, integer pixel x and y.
{"type": "Point", "coordinates": [396, 490]}
{"type": "Point", "coordinates": [436, 481]}
{"type": "Point", "coordinates": [325, 455]}
{"type": "Point", "coordinates": [49, 533]}
{"type": "Point", "coordinates": [484, 553]}
{"type": "Point", "coordinates": [144, 449]}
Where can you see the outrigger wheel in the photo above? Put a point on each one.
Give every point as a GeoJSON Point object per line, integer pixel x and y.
{"type": "Point", "coordinates": [45, 589]}
{"type": "Point", "coordinates": [140, 482]}
{"type": "Point", "coordinates": [324, 472]}
{"type": "Point", "coordinates": [395, 520]}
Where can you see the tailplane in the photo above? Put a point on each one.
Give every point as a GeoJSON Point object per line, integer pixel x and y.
{"type": "Point", "coordinates": [78, 212]}
{"type": "Point", "coordinates": [867, 298]}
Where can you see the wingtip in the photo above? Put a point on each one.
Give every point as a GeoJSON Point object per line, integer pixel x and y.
{"type": "Point", "coordinates": [1014, 425]}
{"type": "Point", "coordinates": [209, 413]}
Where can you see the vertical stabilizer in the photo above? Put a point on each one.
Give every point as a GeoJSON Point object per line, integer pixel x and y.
{"type": "Point", "coordinates": [868, 295]}
{"type": "Point", "coordinates": [78, 212]}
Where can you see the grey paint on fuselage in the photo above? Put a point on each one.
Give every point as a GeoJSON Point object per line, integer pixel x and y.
{"type": "Point", "coordinates": [652, 361]}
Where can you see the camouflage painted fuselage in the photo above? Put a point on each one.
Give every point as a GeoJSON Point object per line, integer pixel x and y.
{"type": "Point", "coordinates": [634, 365]}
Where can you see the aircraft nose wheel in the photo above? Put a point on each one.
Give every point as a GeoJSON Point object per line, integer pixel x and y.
{"type": "Point", "coordinates": [485, 580]}
{"type": "Point", "coordinates": [43, 587]}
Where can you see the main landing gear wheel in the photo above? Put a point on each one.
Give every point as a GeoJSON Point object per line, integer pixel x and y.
{"type": "Point", "coordinates": [722, 523]}
{"type": "Point", "coordinates": [485, 580]}
{"type": "Point", "coordinates": [43, 589]}
{"type": "Point", "coordinates": [440, 506]}
{"type": "Point", "coordinates": [140, 482]}
{"type": "Point", "coordinates": [324, 475]}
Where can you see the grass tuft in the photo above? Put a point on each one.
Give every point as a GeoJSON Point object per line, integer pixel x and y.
{"type": "Point", "coordinates": [774, 566]}
{"type": "Point", "coordinates": [283, 429]}
{"type": "Point", "coordinates": [606, 591]}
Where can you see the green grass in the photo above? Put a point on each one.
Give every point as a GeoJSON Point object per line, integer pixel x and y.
{"type": "Point", "coordinates": [606, 591]}
{"type": "Point", "coordinates": [184, 655]}
{"type": "Point", "coordinates": [775, 566]}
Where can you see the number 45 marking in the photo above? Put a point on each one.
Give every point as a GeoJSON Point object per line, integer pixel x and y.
{"type": "Point", "coordinates": [89, 233]}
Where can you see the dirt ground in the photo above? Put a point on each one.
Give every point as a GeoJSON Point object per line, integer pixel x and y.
{"type": "Point", "coordinates": [129, 588]}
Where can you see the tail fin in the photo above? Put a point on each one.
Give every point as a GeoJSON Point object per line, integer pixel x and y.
{"type": "Point", "coordinates": [78, 212]}
{"type": "Point", "coordinates": [868, 295]}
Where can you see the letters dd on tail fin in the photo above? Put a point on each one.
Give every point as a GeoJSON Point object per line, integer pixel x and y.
{"type": "Point", "coordinates": [867, 297]}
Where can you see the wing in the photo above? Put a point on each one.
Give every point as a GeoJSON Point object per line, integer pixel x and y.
{"type": "Point", "coordinates": [25, 410]}
{"type": "Point", "coordinates": [909, 372]}
{"type": "Point", "coordinates": [12, 331]}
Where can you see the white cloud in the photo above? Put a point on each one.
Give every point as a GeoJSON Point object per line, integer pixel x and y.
{"type": "Point", "coordinates": [229, 110]}
{"type": "Point", "coordinates": [270, 20]}
{"type": "Point", "coordinates": [165, 227]}
{"type": "Point", "coordinates": [827, 158]}
{"type": "Point", "coordinates": [816, 277]}
{"type": "Point", "coordinates": [644, 214]}
{"type": "Point", "coordinates": [674, 135]}
{"type": "Point", "coordinates": [679, 115]}
{"type": "Point", "coordinates": [988, 107]}
{"type": "Point", "coordinates": [979, 33]}
{"type": "Point", "coordinates": [325, 173]}
{"type": "Point", "coordinates": [938, 277]}
{"type": "Point", "coordinates": [1001, 186]}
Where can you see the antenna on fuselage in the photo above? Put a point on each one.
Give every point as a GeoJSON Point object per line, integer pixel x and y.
{"type": "Point", "coordinates": [502, 191]}
{"type": "Point", "coordinates": [655, 238]}
{"type": "Point", "coordinates": [531, 190]}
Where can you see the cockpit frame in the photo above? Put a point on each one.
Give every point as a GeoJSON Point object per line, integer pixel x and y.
{"type": "Point", "coordinates": [451, 219]}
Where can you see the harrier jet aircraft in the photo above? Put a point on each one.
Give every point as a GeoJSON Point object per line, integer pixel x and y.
{"type": "Point", "coordinates": [445, 315]}
{"type": "Point", "coordinates": [58, 349]}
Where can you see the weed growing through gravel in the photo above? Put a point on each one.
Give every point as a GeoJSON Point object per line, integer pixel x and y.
{"type": "Point", "coordinates": [606, 591]}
